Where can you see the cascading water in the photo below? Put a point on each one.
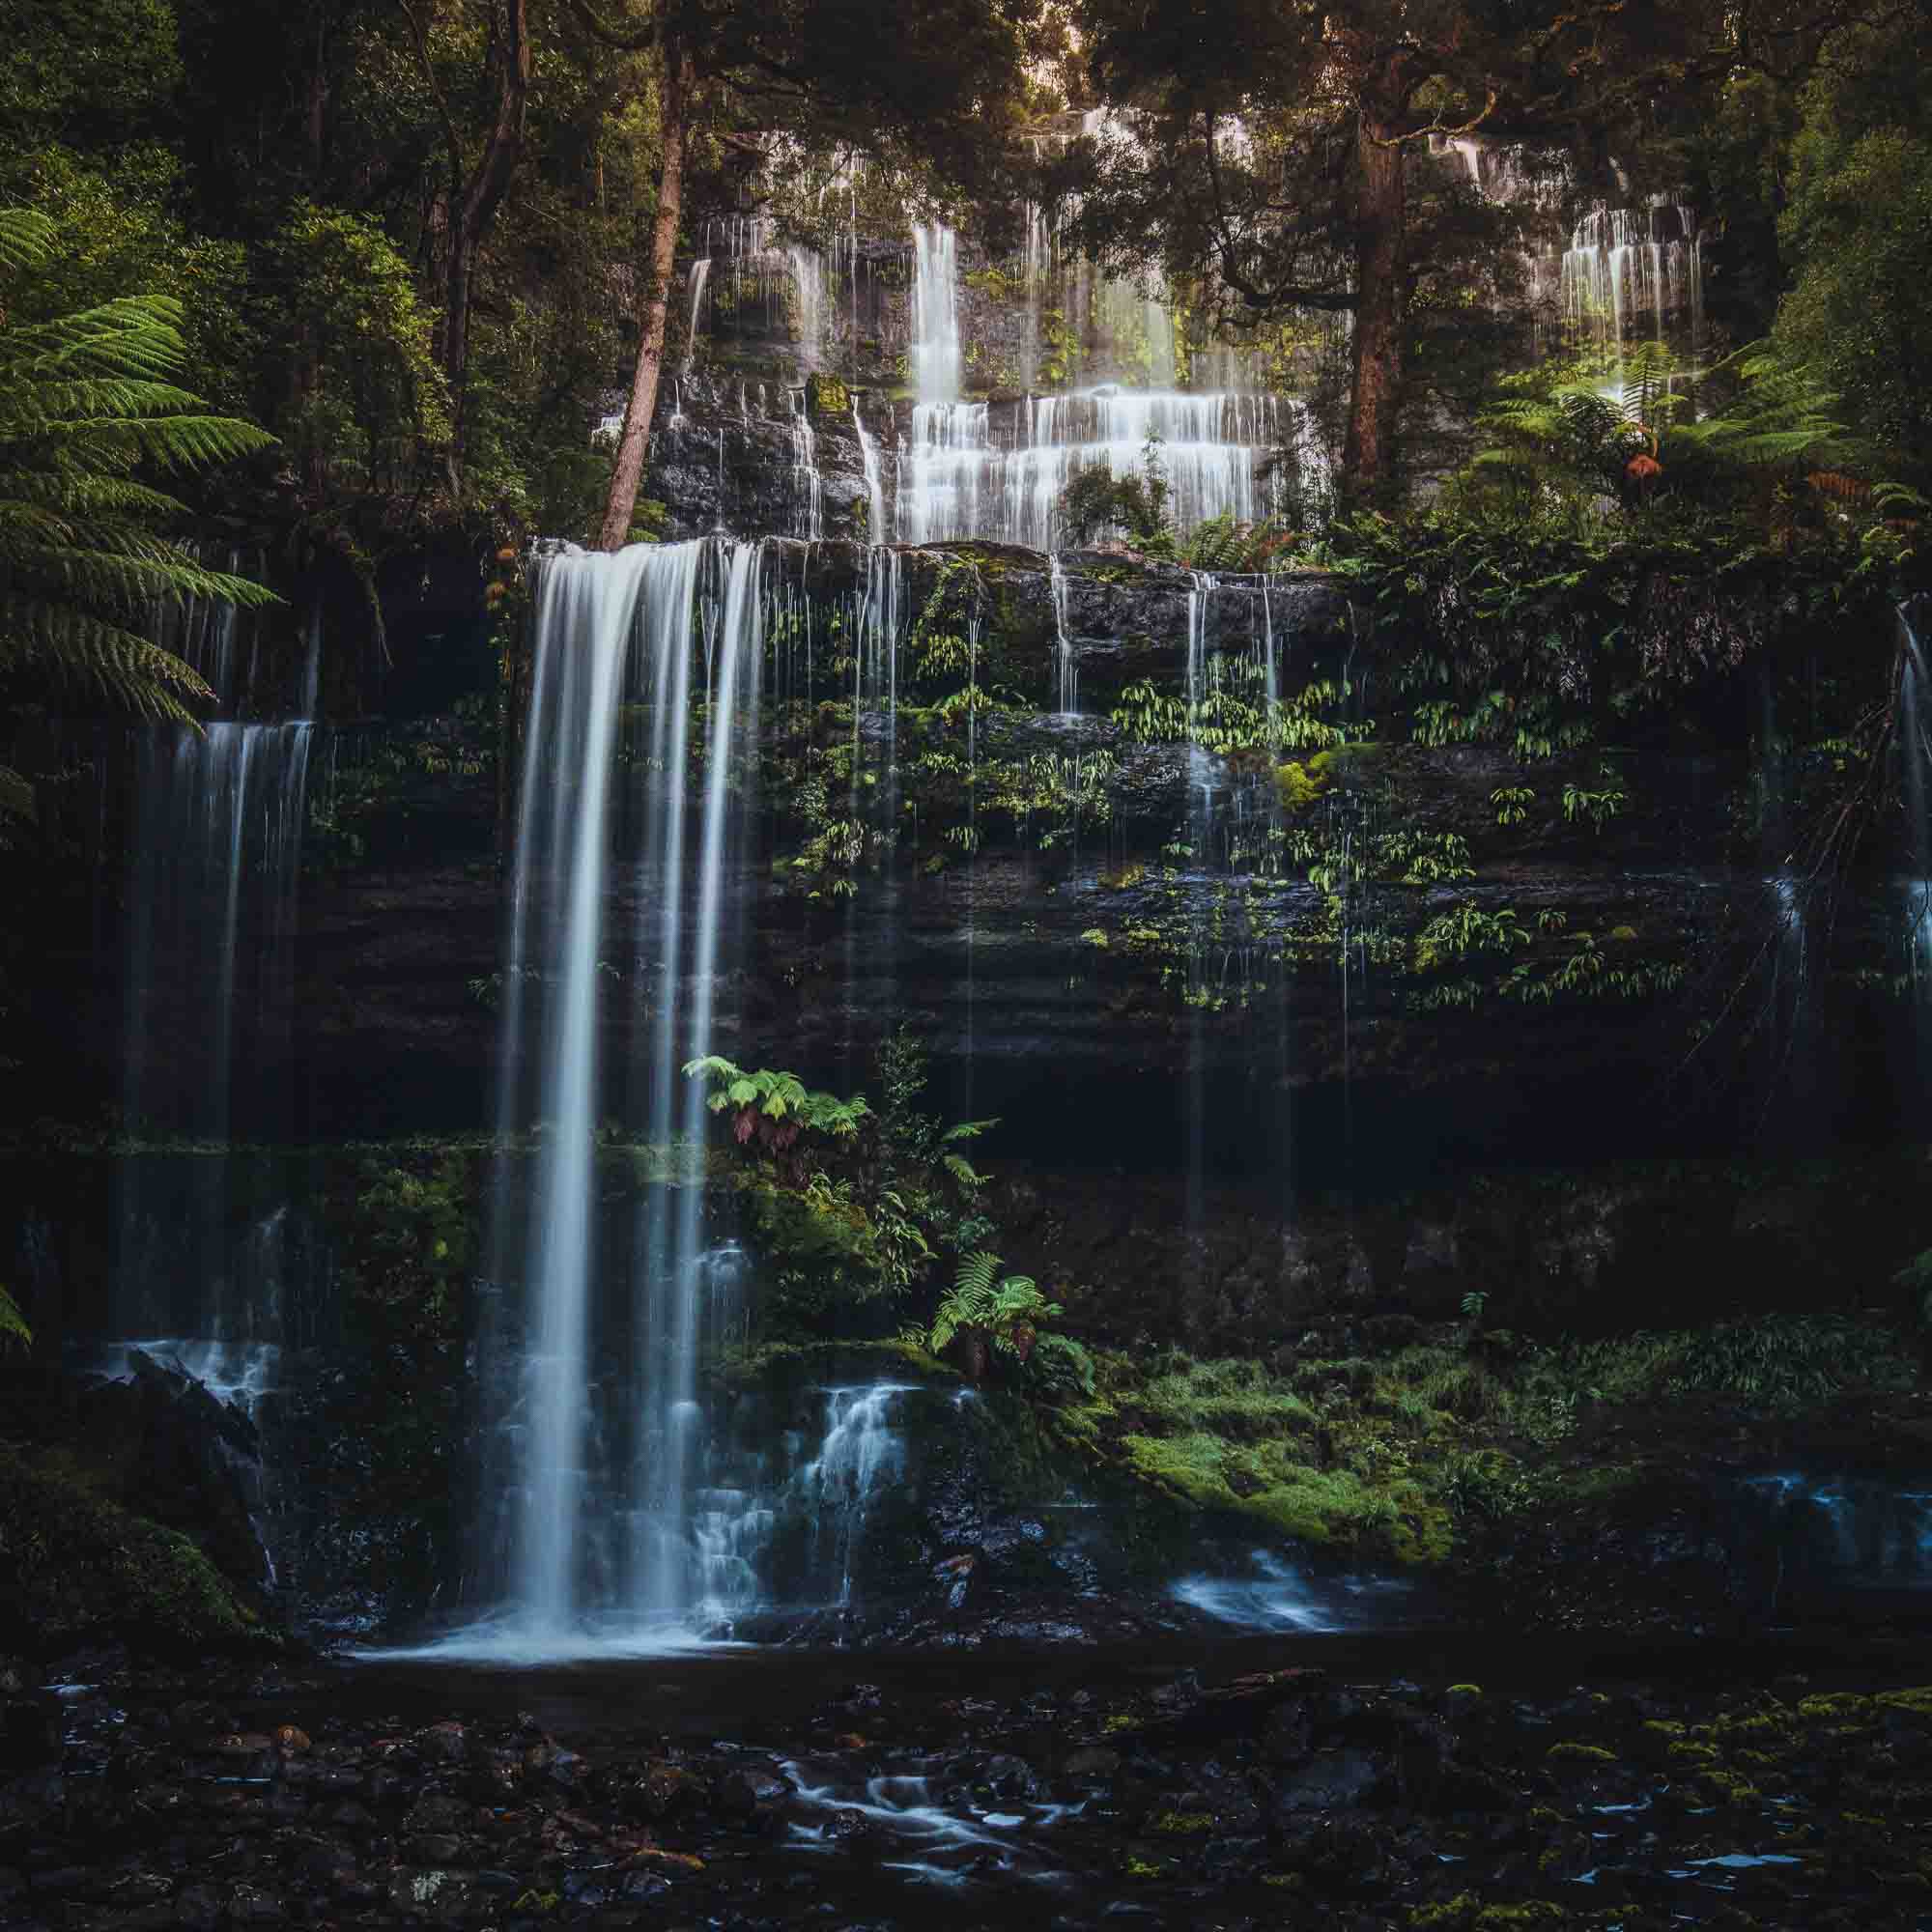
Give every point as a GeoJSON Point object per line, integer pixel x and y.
{"type": "Point", "coordinates": [861, 1453]}
{"type": "Point", "coordinates": [963, 473]}
{"type": "Point", "coordinates": [1066, 666]}
{"type": "Point", "coordinates": [701, 276]}
{"type": "Point", "coordinates": [608, 1522]}
{"type": "Point", "coordinates": [218, 819]}
{"type": "Point", "coordinates": [936, 305]}
{"type": "Point", "coordinates": [805, 461]}
{"type": "Point", "coordinates": [875, 491]}
{"type": "Point", "coordinates": [1631, 268]}
{"type": "Point", "coordinates": [808, 278]}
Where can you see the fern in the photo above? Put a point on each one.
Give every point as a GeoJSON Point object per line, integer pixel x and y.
{"type": "Point", "coordinates": [14, 1330]}
{"type": "Point", "coordinates": [1782, 411]}
{"type": "Point", "coordinates": [86, 400]}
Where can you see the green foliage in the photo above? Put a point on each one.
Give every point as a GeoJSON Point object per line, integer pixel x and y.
{"type": "Point", "coordinates": [412, 1238]}
{"type": "Point", "coordinates": [95, 69]}
{"type": "Point", "coordinates": [375, 405]}
{"type": "Point", "coordinates": [1598, 805]}
{"type": "Point", "coordinates": [76, 1563]}
{"type": "Point", "coordinates": [1097, 500]}
{"type": "Point", "coordinates": [1224, 544]}
{"type": "Point", "coordinates": [1856, 228]}
{"type": "Point", "coordinates": [849, 1205]}
{"type": "Point", "coordinates": [86, 402]}
{"type": "Point", "coordinates": [14, 1330]}
{"type": "Point", "coordinates": [781, 1099]}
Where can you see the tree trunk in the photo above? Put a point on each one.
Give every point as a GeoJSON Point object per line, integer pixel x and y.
{"type": "Point", "coordinates": [1381, 283]}
{"type": "Point", "coordinates": [653, 307]}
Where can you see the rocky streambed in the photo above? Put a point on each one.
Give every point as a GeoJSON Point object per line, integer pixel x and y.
{"type": "Point", "coordinates": [1456, 1782]}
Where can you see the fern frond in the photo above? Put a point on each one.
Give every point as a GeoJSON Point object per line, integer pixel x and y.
{"type": "Point", "coordinates": [14, 1330]}
{"type": "Point", "coordinates": [964, 1172]}
{"type": "Point", "coordinates": [977, 1273]}
{"type": "Point", "coordinates": [69, 646]}
{"type": "Point", "coordinates": [27, 237]}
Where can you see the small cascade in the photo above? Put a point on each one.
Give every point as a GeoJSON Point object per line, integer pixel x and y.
{"type": "Point", "coordinates": [1836, 1529]}
{"type": "Point", "coordinates": [804, 465]}
{"type": "Point", "coordinates": [875, 489]}
{"type": "Point", "coordinates": [936, 308]}
{"type": "Point", "coordinates": [218, 817]}
{"type": "Point", "coordinates": [808, 278]}
{"type": "Point", "coordinates": [1628, 270]}
{"type": "Point", "coordinates": [1037, 270]}
{"type": "Point", "coordinates": [218, 820]}
{"type": "Point", "coordinates": [217, 638]}
{"type": "Point", "coordinates": [966, 472]}
{"type": "Point", "coordinates": [701, 276]}
{"type": "Point", "coordinates": [1066, 666]}
{"type": "Point", "coordinates": [861, 1455]}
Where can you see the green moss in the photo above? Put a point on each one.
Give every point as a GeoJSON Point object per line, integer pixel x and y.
{"type": "Point", "coordinates": [1570, 1752]}
{"type": "Point", "coordinates": [1682, 1752]}
{"type": "Point", "coordinates": [74, 1562]}
{"type": "Point", "coordinates": [1917, 1700]}
{"type": "Point", "coordinates": [1232, 1398]}
{"type": "Point", "coordinates": [1834, 1707]}
{"type": "Point", "coordinates": [1728, 1786]}
{"type": "Point", "coordinates": [1467, 1913]}
{"type": "Point", "coordinates": [1183, 1823]}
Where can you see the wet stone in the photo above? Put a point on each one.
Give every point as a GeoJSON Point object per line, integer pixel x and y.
{"type": "Point", "coordinates": [442, 1744]}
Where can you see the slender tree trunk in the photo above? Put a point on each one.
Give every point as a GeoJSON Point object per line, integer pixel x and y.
{"type": "Point", "coordinates": [1380, 284]}
{"type": "Point", "coordinates": [653, 306]}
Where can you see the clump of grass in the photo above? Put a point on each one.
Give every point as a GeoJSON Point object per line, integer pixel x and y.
{"type": "Point", "coordinates": [1783, 1361]}
{"type": "Point", "coordinates": [1230, 1398]}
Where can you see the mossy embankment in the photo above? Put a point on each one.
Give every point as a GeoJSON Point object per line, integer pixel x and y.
{"type": "Point", "coordinates": [78, 1565]}
{"type": "Point", "coordinates": [1456, 1448]}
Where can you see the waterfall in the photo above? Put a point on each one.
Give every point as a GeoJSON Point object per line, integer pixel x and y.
{"type": "Point", "coordinates": [965, 473]}
{"type": "Point", "coordinates": [805, 463]}
{"type": "Point", "coordinates": [209, 632]}
{"type": "Point", "coordinates": [217, 817]}
{"type": "Point", "coordinates": [700, 274]}
{"type": "Point", "coordinates": [610, 1521]}
{"type": "Point", "coordinates": [862, 1453]}
{"type": "Point", "coordinates": [807, 279]}
{"type": "Point", "coordinates": [1622, 272]}
{"type": "Point", "coordinates": [875, 493]}
{"type": "Point", "coordinates": [1066, 666]}
{"type": "Point", "coordinates": [935, 310]}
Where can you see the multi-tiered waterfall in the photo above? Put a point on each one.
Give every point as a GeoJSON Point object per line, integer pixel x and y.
{"type": "Point", "coordinates": [996, 471]}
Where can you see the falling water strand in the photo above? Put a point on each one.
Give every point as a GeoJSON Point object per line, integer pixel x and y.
{"type": "Point", "coordinates": [1066, 666]}
{"type": "Point", "coordinates": [701, 276]}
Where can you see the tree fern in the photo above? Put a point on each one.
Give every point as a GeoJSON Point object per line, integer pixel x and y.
{"type": "Point", "coordinates": [85, 401]}
{"type": "Point", "coordinates": [1782, 411]}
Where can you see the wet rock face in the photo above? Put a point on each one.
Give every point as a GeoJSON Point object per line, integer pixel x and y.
{"type": "Point", "coordinates": [214, 1800]}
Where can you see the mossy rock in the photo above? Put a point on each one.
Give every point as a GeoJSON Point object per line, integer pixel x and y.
{"type": "Point", "coordinates": [1836, 1707]}
{"type": "Point", "coordinates": [75, 1564]}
